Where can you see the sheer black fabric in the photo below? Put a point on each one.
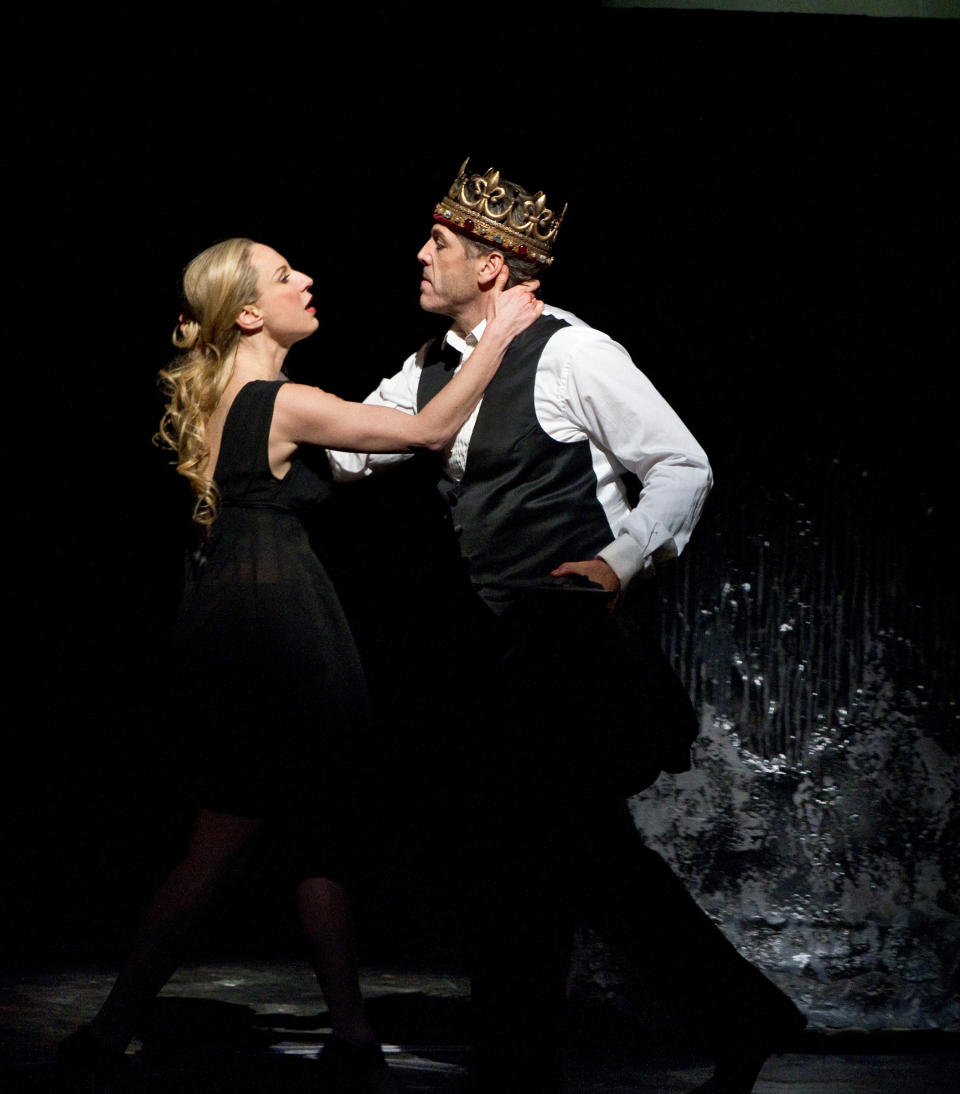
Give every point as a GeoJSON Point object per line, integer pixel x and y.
{"type": "Point", "coordinates": [272, 683]}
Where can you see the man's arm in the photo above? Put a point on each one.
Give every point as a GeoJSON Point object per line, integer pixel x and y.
{"type": "Point", "coordinates": [601, 394]}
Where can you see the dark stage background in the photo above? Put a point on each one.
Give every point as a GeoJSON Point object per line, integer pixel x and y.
{"type": "Point", "coordinates": [762, 209]}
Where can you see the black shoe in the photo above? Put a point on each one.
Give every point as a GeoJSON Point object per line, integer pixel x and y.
{"type": "Point", "coordinates": [515, 1080]}
{"type": "Point", "coordinates": [355, 1069]}
{"type": "Point", "coordinates": [82, 1052]}
{"type": "Point", "coordinates": [712, 1086]}
{"type": "Point", "coordinates": [738, 1067]}
{"type": "Point", "coordinates": [85, 1064]}
{"type": "Point", "coordinates": [733, 1077]}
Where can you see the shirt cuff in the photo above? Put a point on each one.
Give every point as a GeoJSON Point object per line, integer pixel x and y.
{"type": "Point", "coordinates": [625, 558]}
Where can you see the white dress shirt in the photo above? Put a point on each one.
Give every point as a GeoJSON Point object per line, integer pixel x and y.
{"type": "Point", "coordinates": [586, 388]}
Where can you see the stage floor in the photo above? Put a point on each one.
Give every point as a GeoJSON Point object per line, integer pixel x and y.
{"type": "Point", "coordinates": [257, 1026]}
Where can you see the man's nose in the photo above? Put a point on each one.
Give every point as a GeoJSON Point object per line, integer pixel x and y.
{"type": "Point", "coordinates": [424, 254]}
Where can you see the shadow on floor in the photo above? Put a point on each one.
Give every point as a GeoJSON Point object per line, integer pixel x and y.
{"type": "Point", "coordinates": [196, 1043]}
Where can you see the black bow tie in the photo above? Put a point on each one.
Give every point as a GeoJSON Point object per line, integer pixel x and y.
{"type": "Point", "coordinates": [450, 356]}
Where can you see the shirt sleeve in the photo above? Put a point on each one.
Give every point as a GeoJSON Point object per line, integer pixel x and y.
{"type": "Point", "coordinates": [605, 397]}
{"type": "Point", "coordinates": [398, 392]}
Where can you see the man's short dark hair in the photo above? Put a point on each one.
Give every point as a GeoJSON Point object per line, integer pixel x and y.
{"type": "Point", "coordinates": [521, 269]}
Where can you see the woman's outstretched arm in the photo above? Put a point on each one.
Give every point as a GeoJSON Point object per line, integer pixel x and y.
{"type": "Point", "coordinates": [307, 415]}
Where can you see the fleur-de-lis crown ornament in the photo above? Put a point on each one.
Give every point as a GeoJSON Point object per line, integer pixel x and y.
{"type": "Point", "coordinates": [501, 213]}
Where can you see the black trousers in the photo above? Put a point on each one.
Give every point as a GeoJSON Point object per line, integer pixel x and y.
{"type": "Point", "coordinates": [538, 884]}
{"type": "Point", "coordinates": [552, 746]}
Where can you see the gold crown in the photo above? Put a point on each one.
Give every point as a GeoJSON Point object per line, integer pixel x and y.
{"type": "Point", "coordinates": [501, 213]}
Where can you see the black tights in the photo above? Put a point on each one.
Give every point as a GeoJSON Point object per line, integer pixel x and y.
{"type": "Point", "coordinates": [214, 849]}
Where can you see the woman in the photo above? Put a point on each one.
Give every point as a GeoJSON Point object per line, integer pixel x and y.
{"type": "Point", "coordinates": [274, 693]}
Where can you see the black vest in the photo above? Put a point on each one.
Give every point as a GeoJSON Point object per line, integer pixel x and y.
{"type": "Point", "coordinates": [526, 502]}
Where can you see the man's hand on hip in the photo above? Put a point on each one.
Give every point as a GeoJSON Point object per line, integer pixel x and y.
{"type": "Point", "coordinates": [595, 570]}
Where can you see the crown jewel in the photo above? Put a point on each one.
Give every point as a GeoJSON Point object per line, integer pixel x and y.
{"type": "Point", "coordinates": [500, 213]}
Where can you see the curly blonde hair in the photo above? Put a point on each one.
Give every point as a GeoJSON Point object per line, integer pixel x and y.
{"type": "Point", "coordinates": [217, 285]}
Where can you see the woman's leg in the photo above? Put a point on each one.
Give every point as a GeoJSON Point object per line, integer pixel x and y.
{"type": "Point", "coordinates": [326, 916]}
{"type": "Point", "coordinates": [215, 842]}
{"type": "Point", "coordinates": [353, 1061]}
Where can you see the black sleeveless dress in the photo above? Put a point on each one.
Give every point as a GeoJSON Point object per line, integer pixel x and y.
{"type": "Point", "coordinates": [275, 696]}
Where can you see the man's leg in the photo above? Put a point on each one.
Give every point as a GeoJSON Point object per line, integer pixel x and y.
{"type": "Point", "coordinates": [630, 895]}
{"type": "Point", "coordinates": [520, 845]}
{"type": "Point", "coordinates": [521, 953]}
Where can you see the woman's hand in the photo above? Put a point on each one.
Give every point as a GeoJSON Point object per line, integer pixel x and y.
{"type": "Point", "coordinates": [512, 311]}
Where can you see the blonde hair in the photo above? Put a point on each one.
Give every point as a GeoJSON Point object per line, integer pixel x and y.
{"type": "Point", "coordinates": [217, 285]}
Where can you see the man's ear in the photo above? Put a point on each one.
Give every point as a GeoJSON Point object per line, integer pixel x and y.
{"type": "Point", "coordinates": [490, 269]}
{"type": "Point", "coordinates": [250, 319]}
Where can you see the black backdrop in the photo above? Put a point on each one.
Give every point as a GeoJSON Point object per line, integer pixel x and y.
{"type": "Point", "coordinates": [762, 209]}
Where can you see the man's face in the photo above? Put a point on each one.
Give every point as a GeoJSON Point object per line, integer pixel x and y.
{"type": "Point", "coordinates": [449, 280]}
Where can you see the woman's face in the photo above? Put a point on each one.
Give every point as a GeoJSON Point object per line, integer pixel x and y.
{"type": "Point", "coordinates": [284, 297]}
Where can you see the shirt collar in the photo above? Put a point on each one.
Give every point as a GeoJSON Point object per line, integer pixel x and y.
{"type": "Point", "coordinates": [464, 344]}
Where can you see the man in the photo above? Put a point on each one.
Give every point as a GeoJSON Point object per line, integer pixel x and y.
{"type": "Point", "coordinates": [563, 702]}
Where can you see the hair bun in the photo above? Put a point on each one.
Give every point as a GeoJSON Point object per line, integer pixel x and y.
{"type": "Point", "coordinates": [186, 333]}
